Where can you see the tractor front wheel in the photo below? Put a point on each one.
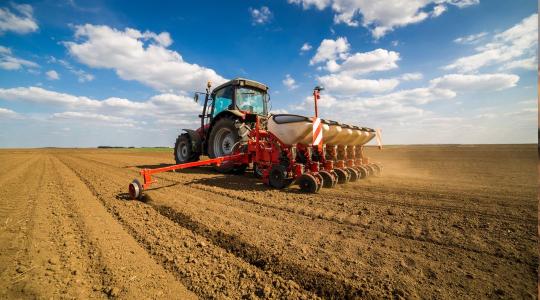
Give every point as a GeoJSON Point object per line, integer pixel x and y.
{"type": "Point", "coordinates": [183, 150]}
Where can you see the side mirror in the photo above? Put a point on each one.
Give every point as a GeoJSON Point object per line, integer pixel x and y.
{"type": "Point", "coordinates": [196, 98]}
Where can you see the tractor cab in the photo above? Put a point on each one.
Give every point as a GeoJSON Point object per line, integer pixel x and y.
{"type": "Point", "coordinates": [223, 119]}
{"type": "Point", "coordinates": [239, 96]}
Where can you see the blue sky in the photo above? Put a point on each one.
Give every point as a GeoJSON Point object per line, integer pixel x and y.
{"type": "Point", "coordinates": [82, 74]}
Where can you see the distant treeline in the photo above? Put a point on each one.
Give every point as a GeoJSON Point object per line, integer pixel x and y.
{"type": "Point", "coordinates": [131, 147]}
{"type": "Point", "coordinates": [114, 147]}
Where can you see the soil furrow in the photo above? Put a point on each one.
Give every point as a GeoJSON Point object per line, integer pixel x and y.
{"type": "Point", "coordinates": [184, 258]}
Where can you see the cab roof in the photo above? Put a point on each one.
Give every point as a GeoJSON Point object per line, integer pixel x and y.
{"type": "Point", "coordinates": [242, 82]}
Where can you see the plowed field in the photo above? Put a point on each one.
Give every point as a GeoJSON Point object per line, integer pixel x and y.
{"type": "Point", "coordinates": [443, 222]}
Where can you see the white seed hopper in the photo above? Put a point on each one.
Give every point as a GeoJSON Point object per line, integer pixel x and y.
{"type": "Point", "coordinates": [331, 132]}
{"type": "Point", "coordinates": [295, 129]}
{"type": "Point", "coordinates": [291, 129]}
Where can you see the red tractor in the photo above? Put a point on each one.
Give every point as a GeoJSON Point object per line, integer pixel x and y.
{"type": "Point", "coordinates": [237, 130]}
{"type": "Point", "coordinates": [223, 122]}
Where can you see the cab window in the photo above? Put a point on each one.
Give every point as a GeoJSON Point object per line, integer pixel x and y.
{"type": "Point", "coordinates": [222, 99]}
{"type": "Point", "coordinates": [251, 100]}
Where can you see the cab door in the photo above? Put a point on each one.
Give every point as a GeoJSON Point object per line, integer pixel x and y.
{"type": "Point", "coordinates": [223, 100]}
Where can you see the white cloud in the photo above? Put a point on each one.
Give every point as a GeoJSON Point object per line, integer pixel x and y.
{"type": "Point", "coordinates": [8, 114]}
{"type": "Point", "coordinates": [20, 20]}
{"type": "Point", "coordinates": [417, 96]}
{"type": "Point", "coordinates": [52, 75]}
{"type": "Point", "coordinates": [438, 10]}
{"type": "Point", "coordinates": [476, 82]}
{"type": "Point", "coordinates": [126, 53]}
{"type": "Point", "coordinates": [517, 42]}
{"type": "Point", "coordinates": [390, 110]}
{"type": "Point", "coordinates": [366, 62]}
{"type": "Point", "coordinates": [381, 17]}
{"type": "Point", "coordinates": [10, 62]}
{"type": "Point", "coordinates": [39, 95]}
{"type": "Point", "coordinates": [471, 39]}
{"type": "Point", "coordinates": [82, 76]}
{"type": "Point", "coordinates": [289, 82]}
{"type": "Point", "coordinates": [411, 76]}
{"type": "Point", "coordinates": [166, 106]}
{"type": "Point", "coordinates": [530, 63]}
{"type": "Point", "coordinates": [331, 50]}
{"type": "Point", "coordinates": [260, 16]}
{"type": "Point", "coordinates": [345, 84]}
{"type": "Point", "coordinates": [5, 50]}
{"type": "Point", "coordinates": [306, 47]}
{"type": "Point", "coordinates": [92, 117]}
{"type": "Point", "coordinates": [346, 68]}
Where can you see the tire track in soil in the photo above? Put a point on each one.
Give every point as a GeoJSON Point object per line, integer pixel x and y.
{"type": "Point", "coordinates": [328, 215]}
{"type": "Point", "coordinates": [109, 167]}
{"type": "Point", "coordinates": [383, 198]}
{"type": "Point", "coordinates": [14, 171]}
{"type": "Point", "coordinates": [350, 220]}
{"type": "Point", "coordinates": [125, 268]}
{"type": "Point", "coordinates": [324, 284]}
{"type": "Point", "coordinates": [36, 265]}
{"type": "Point", "coordinates": [252, 280]}
{"type": "Point", "coordinates": [17, 222]}
{"type": "Point", "coordinates": [403, 191]}
{"type": "Point", "coordinates": [67, 264]}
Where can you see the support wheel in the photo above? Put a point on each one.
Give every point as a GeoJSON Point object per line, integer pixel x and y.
{"type": "Point", "coordinates": [308, 183]}
{"type": "Point", "coordinates": [278, 177]}
{"type": "Point", "coordinates": [257, 172]}
{"type": "Point", "coordinates": [335, 178]}
{"type": "Point", "coordinates": [328, 180]}
{"type": "Point", "coordinates": [342, 176]}
{"type": "Point", "coordinates": [362, 172]}
{"type": "Point", "coordinates": [378, 169]}
{"type": "Point", "coordinates": [353, 173]}
{"type": "Point", "coordinates": [135, 190]}
{"type": "Point", "coordinates": [320, 181]}
{"type": "Point", "coordinates": [370, 169]}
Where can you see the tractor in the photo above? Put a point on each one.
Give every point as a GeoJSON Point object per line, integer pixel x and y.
{"type": "Point", "coordinates": [223, 122]}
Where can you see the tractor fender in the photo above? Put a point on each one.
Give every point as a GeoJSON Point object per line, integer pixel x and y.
{"type": "Point", "coordinates": [237, 113]}
{"type": "Point", "coordinates": [195, 140]}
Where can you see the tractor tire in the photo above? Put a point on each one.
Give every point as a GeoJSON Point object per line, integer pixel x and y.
{"type": "Point", "coordinates": [183, 150]}
{"type": "Point", "coordinates": [225, 134]}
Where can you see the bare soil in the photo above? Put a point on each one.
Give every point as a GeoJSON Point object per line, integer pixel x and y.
{"type": "Point", "coordinates": [445, 222]}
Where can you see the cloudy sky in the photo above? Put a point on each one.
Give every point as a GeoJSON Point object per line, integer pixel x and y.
{"type": "Point", "coordinates": [76, 73]}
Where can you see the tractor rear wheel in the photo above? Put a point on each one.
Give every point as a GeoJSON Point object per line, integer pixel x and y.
{"type": "Point", "coordinates": [183, 150]}
{"type": "Point", "coordinates": [223, 138]}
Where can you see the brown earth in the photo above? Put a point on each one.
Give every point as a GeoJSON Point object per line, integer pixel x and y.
{"type": "Point", "coordinates": [443, 222]}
